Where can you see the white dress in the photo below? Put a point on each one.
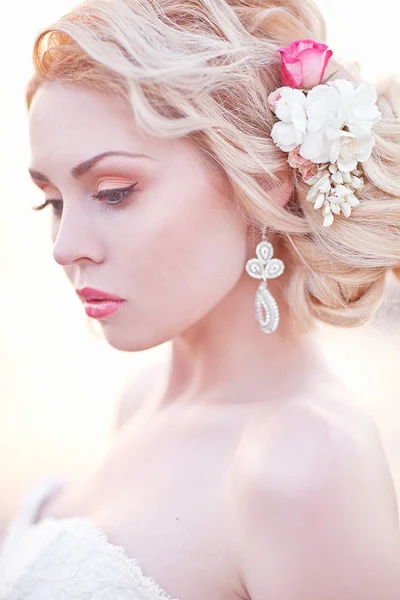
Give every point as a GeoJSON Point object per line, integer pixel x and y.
{"type": "Point", "coordinates": [66, 559]}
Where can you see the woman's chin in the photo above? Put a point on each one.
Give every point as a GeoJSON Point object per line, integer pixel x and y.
{"type": "Point", "coordinates": [134, 341]}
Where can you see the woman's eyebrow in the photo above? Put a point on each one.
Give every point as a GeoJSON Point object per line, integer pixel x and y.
{"type": "Point", "coordinates": [86, 165]}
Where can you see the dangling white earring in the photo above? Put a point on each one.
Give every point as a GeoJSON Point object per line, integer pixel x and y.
{"type": "Point", "coordinates": [265, 267]}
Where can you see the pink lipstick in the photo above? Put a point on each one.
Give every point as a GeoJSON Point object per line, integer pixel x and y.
{"type": "Point", "coordinates": [99, 304]}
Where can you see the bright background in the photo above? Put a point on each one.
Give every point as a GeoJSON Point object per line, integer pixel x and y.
{"type": "Point", "coordinates": [59, 381]}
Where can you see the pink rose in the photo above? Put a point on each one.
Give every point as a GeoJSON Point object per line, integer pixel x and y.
{"type": "Point", "coordinates": [306, 167]}
{"type": "Point", "coordinates": [295, 159]}
{"type": "Point", "coordinates": [304, 63]}
{"type": "Point", "coordinates": [273, 99]}
{"type": "Point", "coordinates": [309, 171]}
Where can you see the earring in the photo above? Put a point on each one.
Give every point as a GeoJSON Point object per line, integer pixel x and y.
{"type": "Point", "coordinates": [265, 267]}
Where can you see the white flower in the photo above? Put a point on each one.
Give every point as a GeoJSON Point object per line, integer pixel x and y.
{"type": "Point", "coordinates": [358, 110]}
{"type": "Point", "coordinates": [290, 109]}
{"type": "Point", "coordinates": [320, 201]}
{"type": "Point", "coordinates": [322, 104]}
{"type": "Point", "coordinates": [320, 185]}
{"type": "Point", "coordinates": [333, 191]}
{"type": "Point", "coordinates": [357, 183]}
{"type": "Point", "coordinates": [307, 120]}
{"type": "Point", "coordinates": [336, 205]}
{"type": "Point", "coordinates": [348, 149]}
{"type": "Point", "coordinates": [344, 198]}
{"type": "Point", "coordinates": [337, 177]}
{"type": "Point", "coordinates": [342, 191]}
{"type": "Point", "coordinates": [316, 146]}
{"type": "Point", "coordinates": [328, 216]}
{"type": "Point", "coordinates": [314, 121]}
{"type": "Point", "coordinates": [314, 124]}
{"type": "Point", "coordinates": [322, 107]}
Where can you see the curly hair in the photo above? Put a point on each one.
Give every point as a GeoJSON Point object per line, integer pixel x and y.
{"type": "Point", "coordinates": [204, 69]}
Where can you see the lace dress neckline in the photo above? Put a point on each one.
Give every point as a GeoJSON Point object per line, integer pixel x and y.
{"type": "Point", "coordinates": [84, 528]}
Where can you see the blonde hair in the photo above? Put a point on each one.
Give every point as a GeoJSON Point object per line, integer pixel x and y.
{"type": "Point", "coordinates": [204, 68]}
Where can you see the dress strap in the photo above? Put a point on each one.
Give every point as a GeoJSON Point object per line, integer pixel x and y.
{"type": "Point", "coordinates": [33, 500]}
{"type": "Point", "coordinates": [29, 507]}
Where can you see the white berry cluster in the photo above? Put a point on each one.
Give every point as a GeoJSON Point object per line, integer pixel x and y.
{"type": "Point", "coordinates": [333, 191]}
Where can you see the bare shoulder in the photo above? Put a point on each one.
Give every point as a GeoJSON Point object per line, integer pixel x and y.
{"type": "Point", "coordinates": [317, 501]}
{"type": "Point", "coordinates": [138, 390]}
{"type": "Point", "coordinates": [307, 447]}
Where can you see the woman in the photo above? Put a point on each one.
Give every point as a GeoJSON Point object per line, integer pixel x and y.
{"type": "Point", "coordinates": [182, 149]}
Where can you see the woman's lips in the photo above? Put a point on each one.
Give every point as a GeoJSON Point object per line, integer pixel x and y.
{"type": "Point", "coordinates": [97, 303]}
{"type": "Point", "coordinates": [101, 308]}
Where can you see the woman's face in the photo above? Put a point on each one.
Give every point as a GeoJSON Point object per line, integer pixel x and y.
{"type": "Point", "coordinates": [172, 247]}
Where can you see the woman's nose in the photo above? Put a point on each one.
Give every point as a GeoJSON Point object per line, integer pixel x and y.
{"type": "Point", "coordinates": [76, 238]}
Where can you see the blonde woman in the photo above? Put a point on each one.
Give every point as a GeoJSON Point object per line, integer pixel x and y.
{"type": "Point", "coordinates": [162, 138]}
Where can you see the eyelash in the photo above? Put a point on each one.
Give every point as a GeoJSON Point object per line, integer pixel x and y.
{"type": "Point", "coordinates": [124, 192]}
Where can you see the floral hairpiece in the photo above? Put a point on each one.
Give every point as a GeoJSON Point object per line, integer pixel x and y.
{"type": "Point", "coordinates": [326, 129]}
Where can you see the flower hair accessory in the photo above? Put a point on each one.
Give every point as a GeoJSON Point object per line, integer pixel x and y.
{"type": "Point", "coordinates": [325, 128]}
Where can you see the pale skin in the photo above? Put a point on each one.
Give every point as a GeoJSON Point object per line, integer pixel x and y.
{"type": "Point", "coordinates": [242, 459]}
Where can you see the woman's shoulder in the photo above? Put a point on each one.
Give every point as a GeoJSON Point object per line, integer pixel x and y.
{"type": "Point", "coordinates": [308, 442]}
{"type": "Point", "coordinates": [316, 477]}
{"type": "Point", "coordinates": [328, 404]}
{"type": "Point", "coordinates": [297, 435]}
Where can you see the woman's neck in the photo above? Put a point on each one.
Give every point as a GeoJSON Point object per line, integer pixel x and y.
{"type": "Point", "coordinates": [225, 358]}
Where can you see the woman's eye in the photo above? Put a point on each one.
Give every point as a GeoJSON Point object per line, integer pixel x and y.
{"type": "Point", "coordinates": [107, 197]}
{"type": "Point", "coordinates": [115, 196]}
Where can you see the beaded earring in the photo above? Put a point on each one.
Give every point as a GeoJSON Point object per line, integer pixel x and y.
{"type": "Point", "coordinates": [265, 267]}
